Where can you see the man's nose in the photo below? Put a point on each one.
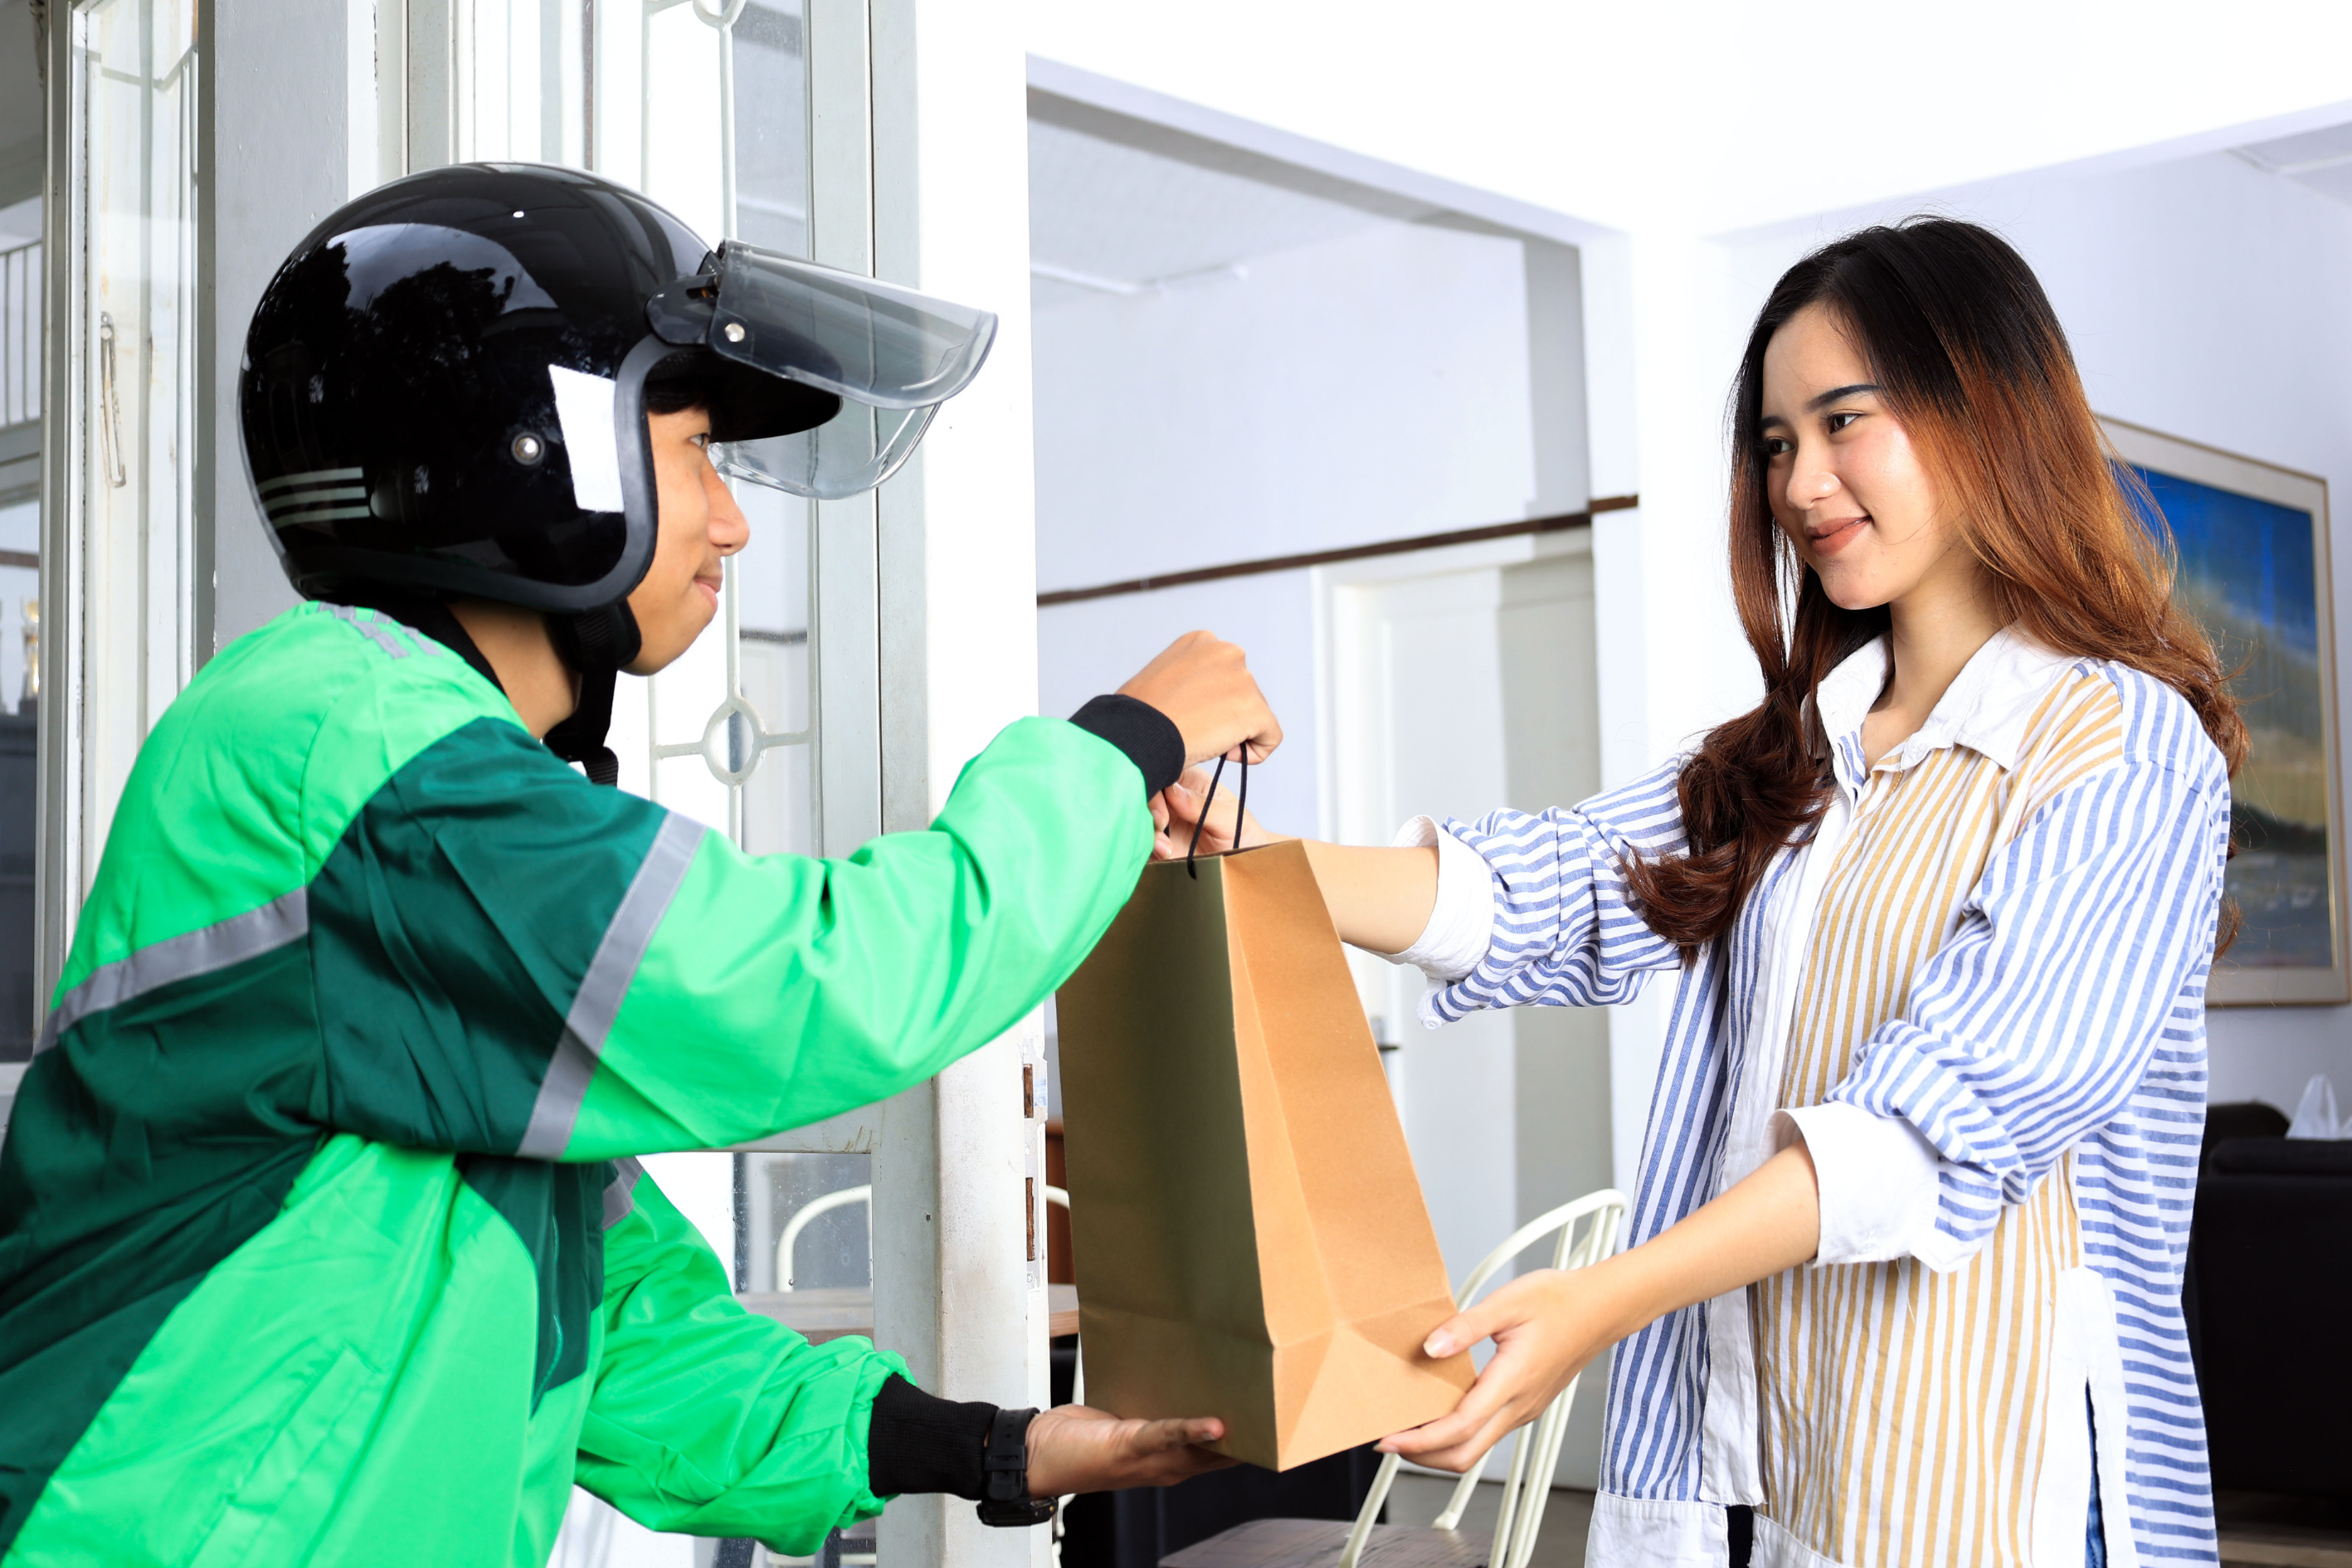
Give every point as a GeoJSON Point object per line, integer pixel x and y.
{"type": "Point", "coordinates": [729, 528]}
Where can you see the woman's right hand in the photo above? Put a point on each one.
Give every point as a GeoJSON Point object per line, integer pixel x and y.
{"type": "Point", "coordinates": [1179, 807]}
{"type": "Point", "coordinates": [1380, 899]}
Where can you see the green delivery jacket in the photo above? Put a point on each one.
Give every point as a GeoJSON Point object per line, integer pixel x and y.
{"type": "Point", "coordinates": [320, 1236]}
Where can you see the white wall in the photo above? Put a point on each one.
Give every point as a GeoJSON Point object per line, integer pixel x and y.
{"type": "Point", "coordinates": [1372, 387]}
{"type": "Point", "coordinates": [1667, 124]}
{"type": "Point", "coordinates": [2210, 301]}
{"type": "Point", "coordinates": [1090, 646]}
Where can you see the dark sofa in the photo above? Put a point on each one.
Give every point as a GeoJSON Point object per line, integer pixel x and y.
{"type": "Point", "coordinates": [2269, 1302]}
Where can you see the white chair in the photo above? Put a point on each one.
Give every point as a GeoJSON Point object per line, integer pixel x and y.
{"type": "Point", "coordinates": [864, 1195]}
{"type": "Point", "coordinates": [809, 1211]}
{"type": "Point", "coordinates": [843, 1199]}
{"type": "Point", "coordinates": [1536, 1456]}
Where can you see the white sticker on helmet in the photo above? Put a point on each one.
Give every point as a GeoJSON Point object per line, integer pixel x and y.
{"type": "Point", "coordinates": [584, 407]}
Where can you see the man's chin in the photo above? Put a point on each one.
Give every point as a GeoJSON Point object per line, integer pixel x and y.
{"type": "Point", "coordinates": [661, 645]}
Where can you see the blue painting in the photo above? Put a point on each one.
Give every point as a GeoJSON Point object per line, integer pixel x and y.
{"type": "Point", "coordinates": [2249, 575]}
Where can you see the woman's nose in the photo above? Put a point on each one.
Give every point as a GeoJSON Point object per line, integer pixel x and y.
{"type": "Point", "coordinates": [1810, 484]}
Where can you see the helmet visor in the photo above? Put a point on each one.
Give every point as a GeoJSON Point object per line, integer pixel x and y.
{"type": "Point", "coordinates": [872, 342]}
{"type": "Point", "coordinates": [847, 455]}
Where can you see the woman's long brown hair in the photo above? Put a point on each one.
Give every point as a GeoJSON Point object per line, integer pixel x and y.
{"type": "Point", "coordinates": [1969, 357]}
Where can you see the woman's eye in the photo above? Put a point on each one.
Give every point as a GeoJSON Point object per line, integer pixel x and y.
{"type": "Point", "coordinates": [1778, 446]}
{"type": "Point", "coordinates": [1837, 422]}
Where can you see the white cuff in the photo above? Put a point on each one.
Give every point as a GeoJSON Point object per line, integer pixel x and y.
{"type": "Point", "coordinates": [1878, 1183]}
{"type": "Point", "coordinates": [1461, 922]}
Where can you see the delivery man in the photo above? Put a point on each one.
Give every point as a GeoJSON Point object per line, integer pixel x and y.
{"type": "Point", "coordinates": [320, 1235]}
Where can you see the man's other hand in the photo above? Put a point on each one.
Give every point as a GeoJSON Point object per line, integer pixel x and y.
{"type": "Point", "coordinates": [1207, 689]}
{"type": "Point", "coordinates": [1073, 1449]}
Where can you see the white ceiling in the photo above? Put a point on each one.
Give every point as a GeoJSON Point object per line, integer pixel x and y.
{"type": "Point", "coordinates": [2320, 159]}
{"type": "Point", "coordinates": [1110, 212]}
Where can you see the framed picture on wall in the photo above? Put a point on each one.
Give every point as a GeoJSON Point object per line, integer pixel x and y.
{"type": "Point", "coordinates": [2254, 573]}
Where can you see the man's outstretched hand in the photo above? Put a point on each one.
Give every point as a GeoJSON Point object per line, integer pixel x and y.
{"type": "Point", "coordinates": [1205, 688]}
{"type": "Point", "coordinates": [1073, 1449]}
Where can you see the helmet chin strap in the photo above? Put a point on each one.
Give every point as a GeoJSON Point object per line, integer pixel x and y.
{"type": "Point", "coordinates": [597, 644]}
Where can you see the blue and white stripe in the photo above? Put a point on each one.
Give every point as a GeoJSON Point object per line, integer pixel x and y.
{"type": "Point", "coordinates": [2058, 1009]}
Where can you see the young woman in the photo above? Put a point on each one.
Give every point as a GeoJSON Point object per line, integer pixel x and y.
{"type": "Point", "coordinates": [1917, 1176]}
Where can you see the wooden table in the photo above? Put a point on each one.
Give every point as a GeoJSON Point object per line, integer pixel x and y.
{"type": "Point", "coordinates": [828, 1313]}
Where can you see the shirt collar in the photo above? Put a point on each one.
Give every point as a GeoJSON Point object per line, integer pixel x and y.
{"type": "Point", "coordinates": [1986, 708]}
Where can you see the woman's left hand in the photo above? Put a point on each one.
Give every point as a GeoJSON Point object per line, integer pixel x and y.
{"type": "Point", "coordinates": [1546, 1327]}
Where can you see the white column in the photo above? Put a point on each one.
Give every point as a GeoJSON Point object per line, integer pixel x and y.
{"type": "Point", "coordinates": [955, 1289]}
{"type": "Point", "coordinates": [1672, 658]}
{"type": "Point", "coordinates": [291, 93]}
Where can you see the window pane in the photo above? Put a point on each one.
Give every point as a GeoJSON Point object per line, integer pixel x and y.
{"type": "Point", "coordinates": [832, 1249]}
{"type": "Point", "coordinates": [137, 380]}
{"type": "Point", "coordinates": [734, 162]}
{"type": "Point", "coordinates": [770, 101]}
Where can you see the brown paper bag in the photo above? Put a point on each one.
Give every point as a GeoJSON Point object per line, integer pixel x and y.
{"type": "Point", "coordinates": [1250, 1237]}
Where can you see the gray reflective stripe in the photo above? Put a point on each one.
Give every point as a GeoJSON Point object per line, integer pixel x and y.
{"type": "Point", "coordinates": [309, 477]}
{"type": "Point", "coordinates": [295, 517]}
{"type": "Point", "coordinates": [296, 499]}
{"type": "Point", "coordinates": [598, 1000]}
{"type": "Point", "coordinates": [621, 1191]}
{"type": "Point", "coordinates": [272, 926]}
{"type": "Point", "coordinates": [375, 629]}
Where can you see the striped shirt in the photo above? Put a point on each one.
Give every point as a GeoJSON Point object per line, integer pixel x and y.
{"type": "Point", "coordinates": [1977, 995]}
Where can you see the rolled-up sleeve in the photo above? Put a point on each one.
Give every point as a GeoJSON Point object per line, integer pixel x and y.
{"type": "Point", "coordinates": [1564, 932]}
{"type": "Point", "coordinates": [1462, 921]}
{"type": "Point", "coordinates": [1878, 1178]}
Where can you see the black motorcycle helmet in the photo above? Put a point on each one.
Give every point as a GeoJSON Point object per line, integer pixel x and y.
{"type": "Point", "coordinates": [444, 389]}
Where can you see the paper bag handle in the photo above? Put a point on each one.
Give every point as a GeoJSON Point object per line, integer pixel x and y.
{"type": "Point", "coordinates": [1241, 813]}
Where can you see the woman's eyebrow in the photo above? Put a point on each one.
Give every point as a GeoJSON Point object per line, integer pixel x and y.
{"type": "Point", "coordinates": [1835, 393]}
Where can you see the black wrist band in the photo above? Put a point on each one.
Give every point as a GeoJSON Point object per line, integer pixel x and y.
{"type": "Point", "coordinates": [1149, 737]}
{"type": "Point", "coordinates": [917, 1442]}
{"type": "Point", "coordinates": [1004, 1474]}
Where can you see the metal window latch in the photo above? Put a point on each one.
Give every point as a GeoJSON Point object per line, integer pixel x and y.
{"type": "Point", "coordinates": [110, 407]}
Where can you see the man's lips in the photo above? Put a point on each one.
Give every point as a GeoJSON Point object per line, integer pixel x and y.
{"type": "Point", "coordinates": [1828, 538]}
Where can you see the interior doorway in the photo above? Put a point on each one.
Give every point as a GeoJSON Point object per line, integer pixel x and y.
{"type": "Point", "coordinates": [1277, 386]}
{"type": "Point", "coordinates": [1458, 680]}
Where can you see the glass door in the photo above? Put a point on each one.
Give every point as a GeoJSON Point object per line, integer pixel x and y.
{"type": "Point", "coordinates": [732, 731]}
{"type": "Point", "coordinates": [120, 642]}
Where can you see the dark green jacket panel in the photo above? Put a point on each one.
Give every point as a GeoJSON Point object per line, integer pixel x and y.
{"type": "Point", "coordinates": [154, 1141]}
{"type": "Point", "coordinates": [451, 930]}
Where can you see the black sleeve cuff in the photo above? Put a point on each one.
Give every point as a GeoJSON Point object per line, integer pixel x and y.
{"type": "Point", "coordinates": [1149, 737]}
{"type": "Point", "coordinates": [918, 1443]}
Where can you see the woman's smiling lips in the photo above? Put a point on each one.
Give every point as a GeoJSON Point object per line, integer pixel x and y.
{"type": "Point", "coordinates": [1828, 537]}
{"type": "Point", "coordinates": [709, 582]}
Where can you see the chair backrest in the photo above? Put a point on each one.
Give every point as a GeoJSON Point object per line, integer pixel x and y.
{"type": "Point", "coordinates": [1536, 1456]}
{"type": "Point", "coordinates": [809, 1211]}
{"type": "Point", "coordinates": [841, 1199]}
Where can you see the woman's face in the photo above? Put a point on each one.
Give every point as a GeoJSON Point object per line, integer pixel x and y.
{"type": "Point", "coordinates": [700, 526]}
{"type": "Point", "coordinates": [1841, 477]}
